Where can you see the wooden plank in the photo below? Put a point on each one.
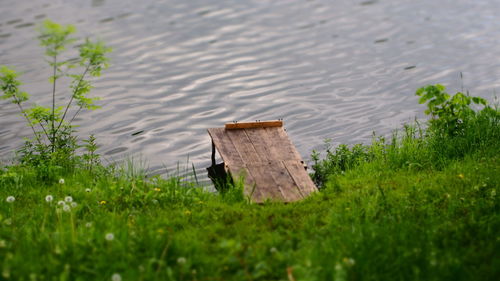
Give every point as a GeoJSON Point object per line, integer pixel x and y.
{"type": "Point", "coordinates": [271, 166]}
{"type": "Point", "coordinates": [224, 145]}
{"type": "Point", "coordinates": [250, 188]}
{"type": "Point", "coordinates": [270, 180]}
{"type": "Point", "coordinates": [259, 137]}
{"type": "Point", "coordinates": [244, 146]}
{"type": "Point", "coordinates": [287, 185]}
{"type": "Point", "coordinates": [266, 186]}
{"type": "Point", "coordinates": [302, 179]}
{"type": "Point", "coordinates": [247, 125]}
{"type": "Point", "coordinates": [282, 144]}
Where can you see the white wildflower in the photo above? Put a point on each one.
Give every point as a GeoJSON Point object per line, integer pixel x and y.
{"type": "Point", "coordinates": [10, 199]}
{"type": "Point", "coordinates": [68, 199]}
{"type": "Point", "coordinates": [66, 208]}
{"type": "Point", "coordinates": [110, 236]}
{"type": "Point", "coordinates": [181, 260]}
{"type": "Point", "coordinates": [116, 277]}
{"type": "Point", "coordinates": [61, 181]}
{"type": "Point", "coordinates": [49, 198]}
{"type": "Point", "coordinates": [87, 190]}
{"type": "Point", "coordinates": [349, 261]}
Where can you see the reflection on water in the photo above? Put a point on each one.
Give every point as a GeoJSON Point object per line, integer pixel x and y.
{"type": "Point", "coordinates": [331, 69]}
{"type": "Point", "coordinates": [97, 3]}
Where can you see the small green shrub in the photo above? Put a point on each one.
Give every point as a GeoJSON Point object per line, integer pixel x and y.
{"type": "Point", "coordinates": [338, 161]}
{"type": "Point", "coordinates": [53, 144]}
{"type": "Point", "coordinates": [455, 130]}
{"type": "Point", "coordinates": [449, 113]}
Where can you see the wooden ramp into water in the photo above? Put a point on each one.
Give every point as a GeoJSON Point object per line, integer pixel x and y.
{"type": "Point", "coordinates": [262, 153]}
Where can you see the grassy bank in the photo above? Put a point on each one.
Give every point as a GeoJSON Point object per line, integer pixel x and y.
{"type": "Point", "coordinates": [422, 205]}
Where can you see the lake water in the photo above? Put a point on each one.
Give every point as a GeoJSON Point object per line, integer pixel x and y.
{"type": "Point", "coordinates": [337, 69]}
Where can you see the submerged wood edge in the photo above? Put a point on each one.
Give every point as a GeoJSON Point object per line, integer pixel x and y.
{"type": "Point", "coordinates": [249, 125]}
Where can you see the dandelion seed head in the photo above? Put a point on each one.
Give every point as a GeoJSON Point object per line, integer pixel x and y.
{"type": "Point", "coordinates": [73, 204]}
{"type": "Point", "coordinates": [109, 236]}
{"type": "Point", "coordinates": [10, 199]}
{"type": "Point", "coordinates": [116, 277]}
{"type": "Point", "coordinates": [88, 225]}
{"type": "Point", "coordinates": [87, 190]}
{"type": "Point", "coordinates": [349, 261]}
{"type": "Point", "coordinates": [68, 199]}
{"type": "Point", "coordinates": [66, 208]}
{"type": "Point", "coordinates": [49, 198]}
{"type": "Point", "coordinates": [61, 181]}
{"type": "Point", "coordinates": [273, 250]}
{"type": "Point", "coordinates": [181, 260]}
{"type": "Point", "coordinates": [60, 203]}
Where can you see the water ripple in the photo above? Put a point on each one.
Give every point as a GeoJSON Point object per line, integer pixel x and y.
{"type": "Point", "coordinates": [332, 69]}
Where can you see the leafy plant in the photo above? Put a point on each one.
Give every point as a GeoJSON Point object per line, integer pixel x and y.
{"type": "Point", "coordinates": [338, 161]}
{"type": "Point", "coordinates": [91, 158]}
{"type": "Point", "coordinates": [52, 125]}
{"type": "Point", "coordinates": [455, 129]}
{"type": "Point", "coordinates": [448, 112]}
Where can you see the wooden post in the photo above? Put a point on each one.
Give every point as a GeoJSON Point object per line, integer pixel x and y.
{"type": "Point", "coordinates": [213, 154]}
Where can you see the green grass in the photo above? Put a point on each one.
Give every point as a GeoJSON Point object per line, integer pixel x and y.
{"type": "Point", "coordinates": [368, 224]}
{"type": "Point", "coordinates": [422, 206]}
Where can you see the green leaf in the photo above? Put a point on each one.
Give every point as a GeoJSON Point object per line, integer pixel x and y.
{"type": "Point", "coordinates": [9, 85]}
{"type": "Point", "coordinates": [479, 100]}
{"type": "Point", "coordinates": [440, 87]}
{"type": "Point", "coordinates": [93, 55]}
{"type": "Point", "coordinates": [55, 37]}
{"type": "Point", "coordinates": [39, 114]}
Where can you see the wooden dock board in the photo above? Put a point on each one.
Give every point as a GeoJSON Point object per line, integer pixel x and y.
{"type": "Point", "coordinates": [265, 156]}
